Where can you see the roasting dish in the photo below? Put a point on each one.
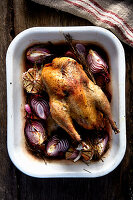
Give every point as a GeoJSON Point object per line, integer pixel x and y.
{"type": "Point", "coordinates": [15, 138]}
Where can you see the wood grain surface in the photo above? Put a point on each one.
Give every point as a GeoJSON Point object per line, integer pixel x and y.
{"type": "Point", "coordinates": [16, 16]}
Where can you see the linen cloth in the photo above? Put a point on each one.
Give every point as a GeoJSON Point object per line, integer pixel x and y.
{"type": "Point", "coordinates": [115, 15]}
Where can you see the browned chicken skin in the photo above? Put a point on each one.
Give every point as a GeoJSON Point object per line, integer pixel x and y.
{"type": "Point", "coordinates": [74, 96]}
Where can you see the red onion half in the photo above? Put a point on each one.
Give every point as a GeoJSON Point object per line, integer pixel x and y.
{"type": "Point", "coordinates": [56, 146]}
{"type": "Point", "coordinates": [100, 145]}
{"type": "Point", "coordinates": [96, 63]}
{"type": "Point", "coordinates": [34, 133]}
{"type": "Point", "coordinates": [81, 49]}
{"type": "Point", "coordinates": [38, 54]}
{"type": "Point", "coordinates": [40, 107]}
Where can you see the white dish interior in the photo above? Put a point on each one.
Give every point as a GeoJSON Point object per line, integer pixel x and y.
{"type": "Point", "coordinates": [22, 159]}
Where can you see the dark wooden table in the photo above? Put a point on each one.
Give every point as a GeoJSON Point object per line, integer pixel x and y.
{"type": "Point", "coordinates": [15, 16]}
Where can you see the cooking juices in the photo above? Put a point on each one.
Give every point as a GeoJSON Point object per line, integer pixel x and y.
{"type": "Point", "coordinates": [43, 135]}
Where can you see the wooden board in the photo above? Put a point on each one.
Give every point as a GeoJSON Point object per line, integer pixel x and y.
{"type": "Point", "coordinates": [16, 16]}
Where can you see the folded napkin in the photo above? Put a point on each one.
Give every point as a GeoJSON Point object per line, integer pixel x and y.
{"type": "Point", "coordinates": [115, 15]}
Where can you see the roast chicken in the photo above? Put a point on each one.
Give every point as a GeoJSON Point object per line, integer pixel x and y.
{"type": "Point", "coordinates": [73, 96]}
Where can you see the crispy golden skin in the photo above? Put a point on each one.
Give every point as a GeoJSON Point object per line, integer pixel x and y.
{"type": "Point", "coordinates": [74, 96]}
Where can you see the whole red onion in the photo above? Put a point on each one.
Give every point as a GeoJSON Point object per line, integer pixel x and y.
{"type": "Point", "coordinates": [97, 64]}
{"type": "Point", "coordinates": [56, 146]}
{"type": "Point", "coordinates": [34, 133]}
{"type": "Point", "coordinates": [38, 54]}
{"type": "Point", "coordinates": [40, 107]}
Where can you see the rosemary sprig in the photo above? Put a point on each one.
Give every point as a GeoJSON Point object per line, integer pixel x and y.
{"type": "Point", "coordinates": [86, 170]}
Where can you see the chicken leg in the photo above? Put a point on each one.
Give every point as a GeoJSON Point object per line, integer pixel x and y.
{"type": "Point", "coordinates": [60, 113]}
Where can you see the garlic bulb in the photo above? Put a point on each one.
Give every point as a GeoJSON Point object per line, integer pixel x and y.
{"type": "Point", "coordinates": [32, 81]}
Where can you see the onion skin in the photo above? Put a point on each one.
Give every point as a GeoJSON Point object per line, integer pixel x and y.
{"type": "Point", "coordinates": [38, 54]}
{"type": "Point", "coordinates": [56, 146]}
{"type": "Point", "coordinates": [87, 155]}
{"type": "Point", "coordinates": [97, 64]}
{"type": "Point", "coordinates": [40, 107]}
{"type": "Point", "coordinates": [71, 154]}
{"type": "Point", "coordinates": [34, 133]}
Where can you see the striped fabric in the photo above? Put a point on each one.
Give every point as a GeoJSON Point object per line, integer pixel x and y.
{"type": "Point", "coordinates": [115, 15]}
